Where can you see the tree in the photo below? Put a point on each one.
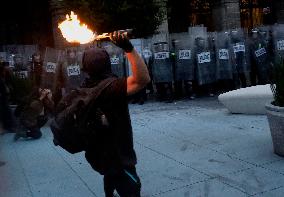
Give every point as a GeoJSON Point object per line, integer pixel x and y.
{"type": "Point", "coordinates": [144, 16]}
{"type": "Point", "coordinates": [25, 22]}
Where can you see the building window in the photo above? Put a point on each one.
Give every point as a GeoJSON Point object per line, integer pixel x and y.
{"type": "Point", "coordinates": [187, 13]}
{"type": "Point", "coordinates": [256, 12]}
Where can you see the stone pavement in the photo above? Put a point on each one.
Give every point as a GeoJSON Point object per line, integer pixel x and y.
{"type": "Point", "coordinates": [189, 148]}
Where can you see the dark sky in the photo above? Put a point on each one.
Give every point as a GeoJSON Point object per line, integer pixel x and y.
{"type": "Point", "coordinates": [25, 22]}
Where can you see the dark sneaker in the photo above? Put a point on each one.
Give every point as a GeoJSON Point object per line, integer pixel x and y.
{"type": "Point", "coordinates": [19, 135]}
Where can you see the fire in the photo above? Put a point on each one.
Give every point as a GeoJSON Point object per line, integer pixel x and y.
{"type": "Point", "coordinates": [75, 32]}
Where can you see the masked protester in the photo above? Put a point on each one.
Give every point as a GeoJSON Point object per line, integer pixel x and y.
{"type": "Point", "coordinates": [120, 174]}
{"type": "Point", "coordinates": [33, 113]}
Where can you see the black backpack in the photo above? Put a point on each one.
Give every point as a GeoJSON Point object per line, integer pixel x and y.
{"type": "Point", "coordinates": [77, 118]}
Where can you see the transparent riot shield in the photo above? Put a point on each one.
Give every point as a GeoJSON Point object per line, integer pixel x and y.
{"type": "Point", "coordinates": [198, 31]}
{"type": "Point", "coordinates": [260, 62]}
{"type": "Point", "coordinates": [147, 53]}
{"type": "Point", "coordinates": [29, 50]}
{"type": "Point", "coordinates": [20, 68]}
{"type": "Point", "coordinates": [162, 64]}
{"type": "Point", "coordinates": [266, 34]}
{"type": "Point", "coordinates": [69, 74]}
{"type": "Point", "coordinates": [50, 68]}
{"type": "Point", "coordinates": [3, 57]}
{"type": "Point", "coordinates": [240, 51]}
{"type": "Point", "coordinates": [21, 82]}
{"type": "Point", "coordinates": [138, 45]}
{"type": "Point", "coordinates": [116, 55]}
{"type": "Point", "coordinates": [14, 51]}
{"type": "Point", "coordinates": [162, 37]}
{"type": "Point", "coordinates": [278, 34]}
{"type": "Point", "coordinates": [212, 37]}
{"type": "Point", "coordinates": [204, 59]}
{"type": "Point", "coordinates": [223, 57]}
{"type": "Point", "coordinates": [184, 60]}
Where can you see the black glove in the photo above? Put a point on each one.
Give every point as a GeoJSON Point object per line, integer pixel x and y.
{"type": "Point", "coordinates": [121, 40]}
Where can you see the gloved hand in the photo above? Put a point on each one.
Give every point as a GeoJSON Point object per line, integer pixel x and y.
{"type": "Point", "coordinates": [121, 40]}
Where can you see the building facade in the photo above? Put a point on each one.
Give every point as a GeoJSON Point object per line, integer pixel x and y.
{"type": "Point", "coordinates": [224, 14]}
{"type": "Point", "coordinates": [216, 15]}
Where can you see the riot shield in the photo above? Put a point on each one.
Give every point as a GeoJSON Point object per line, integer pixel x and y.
{"type": "Point", "coordinates": [278, 34]}
{"type": "Point", "coordinates": [20, 68]}
{"type": "Point", "coordinates": [184, 61]}
{"type": "Point", "coordinates": [266, 34]}
{"type": "Point", "coordinates": [260, 62]}
{"type": "Point", "coordinates": [147, 53]}
{"type": "Point", "coordinates": [198, 31]}
{"type": "Point", "coordinates": [205, 66]}
{"type": "Point", "coordinates": [223, 57]}
{"type": "Point", "coordinates": [212, 37]}
{"type": "Point", "coordinates": [3, 57]}
{"type": "Point", "coordinates": [162, 64]}
{"type": "Point", "coordinates": [14, 51]}
{"type": "Point", "coordinates": [240, 51]}
{"type": "Point", "coordinates": [29, 50]}
{"type": "Point", "coordinates": [162, 37]}
{"type": "Point", "coordinates": [70, 70]}
{"type": "Point", "coordinates": [21, 82]}
{"type": "Point", "coordinates": [50, 68]}
{"type": "Point", "coordinates": [116, 55]}
{"type": "Point", "coordinates": [138, 46]}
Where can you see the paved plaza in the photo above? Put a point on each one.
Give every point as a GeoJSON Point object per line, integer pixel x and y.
{"type": "Point", "coordinates": [185, 149]}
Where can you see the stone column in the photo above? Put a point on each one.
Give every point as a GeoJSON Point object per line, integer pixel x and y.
{"type": "Point", "coordinates": [58, 13]}
{"type": "Point", "coordinates": [226, 14]}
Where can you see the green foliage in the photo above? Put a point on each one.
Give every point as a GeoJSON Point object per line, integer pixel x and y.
{"type": "Point", "coordinates": [144, 16]}
{"type": "Point", "coordinates": [277, 84]}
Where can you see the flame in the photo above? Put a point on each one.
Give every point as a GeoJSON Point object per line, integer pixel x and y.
{"type": "Point", "coordinates": [73, 31]}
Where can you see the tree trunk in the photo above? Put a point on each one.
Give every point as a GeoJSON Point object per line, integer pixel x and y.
{"type": "Point", "coordinates": [58, 13]}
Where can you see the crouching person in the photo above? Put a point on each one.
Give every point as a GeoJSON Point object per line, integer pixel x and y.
{"type": "Point", "coordinates": [33, 113]}
{"type": "Point", "coordinates": [113, 155]}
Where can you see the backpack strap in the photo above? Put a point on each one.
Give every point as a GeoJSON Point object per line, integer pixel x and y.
{"type": "Point", "coordinates": [97, 90]}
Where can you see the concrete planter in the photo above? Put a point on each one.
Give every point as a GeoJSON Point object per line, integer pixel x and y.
{"type": "Point", "coordinates": [251, 100]}
{"type": "Point", "coordinates": [275, 117]}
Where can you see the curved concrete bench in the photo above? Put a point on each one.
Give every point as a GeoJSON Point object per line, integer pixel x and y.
{"type": "Point", "coordinates": [249, 100]}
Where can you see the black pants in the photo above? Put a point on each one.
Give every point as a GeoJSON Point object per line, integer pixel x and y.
{"type": "Point", "coordinates": [126, 182]}
{"type": "Point", "coordinates": [188, 90]}
{"type": "Point", "coordinates": [34, 133]}
{"type": "Point", "coordinates": [240, 80]}
{"type": "Point", "coordinates": [164, 91]}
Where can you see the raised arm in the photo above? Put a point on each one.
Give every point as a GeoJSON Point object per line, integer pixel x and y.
{"type": "Point", "coordinates": [140, 75]}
